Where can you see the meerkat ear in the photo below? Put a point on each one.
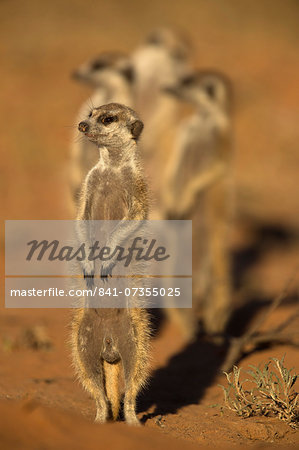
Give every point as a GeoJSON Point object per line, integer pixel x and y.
{"type": "Point", "coordinates": [136, 129]}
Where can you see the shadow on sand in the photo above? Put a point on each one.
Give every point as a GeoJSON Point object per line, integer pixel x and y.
{"type": "Point", "coordinates": [184, 380]}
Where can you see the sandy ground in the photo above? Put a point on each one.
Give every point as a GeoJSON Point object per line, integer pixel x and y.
{"type": "Point", "coordinates": [256, 43]}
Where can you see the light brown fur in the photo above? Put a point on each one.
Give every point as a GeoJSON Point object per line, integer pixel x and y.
{"type": "Point", "coordinates": [110, 347]}
{"type": "Point", "coordinates": [198, 187]}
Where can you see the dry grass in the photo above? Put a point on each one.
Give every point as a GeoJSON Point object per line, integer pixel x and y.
{"type": "Point", "coordinates": [268, 392]}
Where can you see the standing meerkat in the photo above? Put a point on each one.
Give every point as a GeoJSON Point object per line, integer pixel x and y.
{"type": "Point", "coordinates": [110, 75]}
{"type": "Point", "coordinates": [199, 187]}
{"type": "Point", "coordinates": [111, 346]}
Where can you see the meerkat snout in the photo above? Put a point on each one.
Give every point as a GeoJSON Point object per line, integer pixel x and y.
{"type": "Point", "coordinates": [83, 127]}
{"type": "Point", "coordinates": [75, 75]}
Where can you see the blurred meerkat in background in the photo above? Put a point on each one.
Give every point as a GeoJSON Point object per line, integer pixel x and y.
{"type": "Point", "coordinates": [110, 346]}
{"type": "Point", "coordinates": [161, 60]}
{"type": "Point", "coordinates": [199, 187]}
{"type": "Point", "coordinates": [111, 77]}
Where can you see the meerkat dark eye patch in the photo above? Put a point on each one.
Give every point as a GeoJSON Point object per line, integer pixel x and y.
{"type": "Point", "coordinates": [106, 120]}
{"type": "Point", "coordinates": [210, 89]}
{"type": "Point", "coordinates": [90, 114]}
{"type": "Point", "coordinates": [98, 65]}
{"type": "Point", "coordinates": [154, 39]}
{"type": "Point", "coordinates": [128, 73]}
{"type": "Point", "coordinates": [187, 81]}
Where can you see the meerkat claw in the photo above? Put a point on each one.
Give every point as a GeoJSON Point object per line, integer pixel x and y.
{"type": "Point", "coordinates": [104, 278]}
{"type": "Point", "coordinates": [106, 271]}
{"type": "Point", "coordinates": [89, 278]}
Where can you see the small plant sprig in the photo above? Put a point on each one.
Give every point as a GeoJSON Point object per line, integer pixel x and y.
{"type": "Point", "coordinates": [269, 392]}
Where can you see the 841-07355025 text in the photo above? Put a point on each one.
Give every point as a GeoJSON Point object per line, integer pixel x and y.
{"type": "Point", "coordinates": [141, 292]}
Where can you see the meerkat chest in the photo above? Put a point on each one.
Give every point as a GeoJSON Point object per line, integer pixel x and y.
{"type": "Point", "coordinates": [110, 182]}
{"type": "Point", "coordinates": [198, 144]}
{"type": "Point", "coordinates": [118, 181]}
{"type": "Point", "coordinates": [200, 130]}
{"type": "Point", "coordinates": [111, 191]}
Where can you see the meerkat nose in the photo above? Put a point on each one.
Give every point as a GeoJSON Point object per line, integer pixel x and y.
{"type": "Point", "coordinates": [83, 126]}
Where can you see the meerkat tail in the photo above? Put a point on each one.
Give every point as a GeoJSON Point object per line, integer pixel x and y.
{"type": "Point", "coordinates": [112, 373]}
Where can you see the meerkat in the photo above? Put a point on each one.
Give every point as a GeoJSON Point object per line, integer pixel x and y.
{"type": "Point", "coordinates": [198, 187]}
{"type": "Point", "coordinates": [110, 75]}
{"type": "Point", "coordinates": [111, 346]}
{"type": "Point", "coordinates": [161, 60]}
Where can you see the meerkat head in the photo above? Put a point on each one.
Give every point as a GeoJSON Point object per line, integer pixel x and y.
{"type": "Point", "coordinates": [173, 41]}
{"type": "Point", "coordinates": [203, 88]}
{"type": "Point", "coordinates": [161, 58]}
{"type": "Point", "coordinates": [100, 70]}
{"type": "Point", "coordinates": [112, 125]}
{"type": "Point", "coordinates": [217, 87]}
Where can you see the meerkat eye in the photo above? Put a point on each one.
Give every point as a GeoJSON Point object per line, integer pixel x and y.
{"type": "Point", "coordinates": [108, 119]}
{"type": "Point", "coordinates": [90, 114]}
{"type": "Point", "coordinates": [97, 65]}
{"type": "Point", "coordinates": [187, 81]}
{"type": "Point", "coordinates": [154, 40]}
{"type": "Point", "coordinates": [210, 88]}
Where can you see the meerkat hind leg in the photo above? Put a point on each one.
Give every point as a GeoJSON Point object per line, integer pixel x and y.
{"type": "Point", "coordinates": [102, 409]}
{"type": "Point", "coordinates": [87, 359]}
{"type": "Point", "coordinates": [219, 306]}
{"type": "Point", "coordinates": [131, 367]}
{"type": "Point", "coordinates": [96, 388]}
{"type": "Point", "coordinates": [130, 406]}
{"type": "Point", "coordinates": [135, 365]}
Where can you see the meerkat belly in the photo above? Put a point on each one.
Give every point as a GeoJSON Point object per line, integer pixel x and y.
{"type": "Point", "coordinates": [110, 202]}
{"type": "Point", "coordinates": [102, 333]}
{"type": "Point", "coordinates": [198, 156]}
{"type": "Point", "coordinates": [201, 256]}
{"type": "Point", "coordinates": [200, 232]}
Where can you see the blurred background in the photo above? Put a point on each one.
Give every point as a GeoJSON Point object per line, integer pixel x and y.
{"type": "Point", "coordinates": [254, 42]}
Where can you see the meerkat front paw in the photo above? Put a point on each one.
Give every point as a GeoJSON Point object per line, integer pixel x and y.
{"type": "Point", "coordinates": [89, 279]}
{"type": "Point", "coordinates": [106, 270]}
{"type": "Point", "coordinates": [88, 273]}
